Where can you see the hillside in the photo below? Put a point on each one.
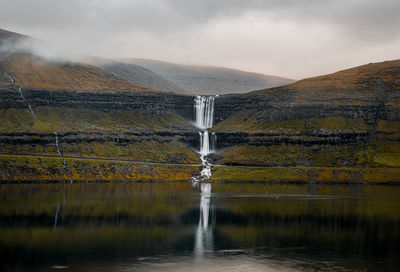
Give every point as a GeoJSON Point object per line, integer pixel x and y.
{"type": "Point", "coordinates": [139, 76]}
{"type": "Point", "coordinates": [21, 63]}
{"type": "Point", "coordinates": [355, 86]}
{"type": "Point", "coordinates": [30, 71]}
{"type": "Point", "coordinates": [64, 121]}
{"type": "Point", "coordinates": [205, 80]}
{"type": "Point", "coordinates": [335, 127]}
{"type": "Point", "coordinates": [10, 36]}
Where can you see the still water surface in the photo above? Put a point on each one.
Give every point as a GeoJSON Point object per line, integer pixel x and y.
{"type": "Point", "coordinates": [176, 226]}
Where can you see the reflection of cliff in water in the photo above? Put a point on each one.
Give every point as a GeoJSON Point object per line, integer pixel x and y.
{"type": "Point", "coordinates": [111, 221]}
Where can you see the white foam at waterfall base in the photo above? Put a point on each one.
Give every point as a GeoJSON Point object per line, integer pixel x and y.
{"type": "Point", "coordinates": [206, 171]}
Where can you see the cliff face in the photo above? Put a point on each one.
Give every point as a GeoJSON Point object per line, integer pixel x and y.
{"type": "Point", "coordinates": [67, 121]}
{"type": "Point", "coordinates": [346, 123]}
{"type": "Point", "coordinates": [67, 135]}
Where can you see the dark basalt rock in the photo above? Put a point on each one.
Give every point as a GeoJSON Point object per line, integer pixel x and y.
{"type": "Point", "coordinates": [146, 102]}
{"type": "Point", "coordinates": [231, 139]}
{"type": "Point", "coordinates": [281, 107]}
{"type": "Point", "coordinates": [189, 138]}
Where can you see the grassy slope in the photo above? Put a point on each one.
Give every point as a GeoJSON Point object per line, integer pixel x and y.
{"type": "Point", "coordinates": [87, 121]}
{"type": "Point", "coordinates": [333, 163]}
{"type": "Point", "coordinates": [348, 87]}
{"type": "Point", "coordinates": [32, 72]}
{"type": "Point", "coordinates": [30, 168]}
{"type": "Point", "coordinates": [50, 119]}
{"type": "Point", "coordinates": [243, 121]}
{"type": "Point", "coordinates": [305, 174]}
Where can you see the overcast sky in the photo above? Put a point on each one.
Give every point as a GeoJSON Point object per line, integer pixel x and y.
{"type": "Point", "coordinates": [290, 38]}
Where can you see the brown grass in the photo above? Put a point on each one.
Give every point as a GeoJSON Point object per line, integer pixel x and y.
{"type": "Point", "coordinates": [32, 72]}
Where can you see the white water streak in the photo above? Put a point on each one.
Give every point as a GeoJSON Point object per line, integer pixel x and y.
{"type": "Point", "coordinates": [10, 77]}
{"type": "Point", "coordinates": [58, 145]}
{"type": "Point", "coordinates": [26, 102]}
{"type": "Point", "coordinates": [60, 155]}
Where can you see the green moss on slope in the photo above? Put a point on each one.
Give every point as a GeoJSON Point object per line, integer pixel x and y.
{"type": "Point", "coordinates": [305, 174]}
{"type": "Point", "coordinates": [50, 119]}
{"type": "Point", "coordinates": [31, 168]}
{"type": "Point", "coordinates": [152, 151]}
{"type": "Point", "coordinates": [244, 121]}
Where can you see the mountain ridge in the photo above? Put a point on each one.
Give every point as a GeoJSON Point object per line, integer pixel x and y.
{"type": "Point", "coordinates": [209, 80]}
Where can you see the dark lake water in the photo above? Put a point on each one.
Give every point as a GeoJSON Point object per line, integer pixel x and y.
{"type": "Point", "coordinates": [174, 227]}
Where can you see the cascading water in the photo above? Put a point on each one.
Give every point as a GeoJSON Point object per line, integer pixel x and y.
{"type": "Point", "coordinates": [61, 156]}
{"type": "Point", "coordinates": [26, 102]}
{"type": "Point", "coordinates": [10, 77]}
{"type": "Point", "coordinates": [58, 145]}
{"type": "Point", "coordinates": [22, 95]}
{"type": "Point", "coordinates": [204, 107]}
{"type": "Point", "coordinates": [204, 112]}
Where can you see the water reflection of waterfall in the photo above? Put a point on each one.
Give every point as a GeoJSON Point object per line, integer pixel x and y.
{"type": "Point", "coordinates": [204, 241]}
{"type": "Point", "coordinates": [204, 112]}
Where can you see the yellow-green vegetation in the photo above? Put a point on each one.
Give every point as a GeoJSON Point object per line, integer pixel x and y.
{"type": "Point", "coordinates": [290, 155]}
{"type": "Point", "coordinates": [388, 126]}
{"type": "Point", "coordinates": [305, 174]}
{"type": "Point", "coordinates": [50, 119]}
{"type": "Point", "coordinates": [389, 130]}
{"type": "Point", "coordinates": [33, 168]}
{"type": "Point", "coordinates": [152, 151]}
{"type": "Point", "coordinates": [244, 121]}
{"type": "Point", "coordinates": [258, 174]}
{"type": "Point", "coordinates": [383, 153]}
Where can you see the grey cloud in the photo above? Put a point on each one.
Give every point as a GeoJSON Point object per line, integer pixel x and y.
{"type": "Point", "coordinates": [95, 25]}
{"type": "Point", "coordinates": [355, 17]}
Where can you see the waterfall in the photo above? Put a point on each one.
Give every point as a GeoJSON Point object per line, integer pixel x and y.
{"type": "Point", "coordinates": [204, 235]}
{"type": "Point", "coordinates": [26, 102]}
{"type": "Point", "coordinates": [204, 116]}
{"type": "Point", "coordinates": [10, 77]}
{"type": "Point", "coordinates": [61, 157]}
{"type": "Point", "coordinates": [58, 145]}
{"type": "Point", "coordinates": [22, 95]}
{"type": "Point", "coordinates": [204, 110]}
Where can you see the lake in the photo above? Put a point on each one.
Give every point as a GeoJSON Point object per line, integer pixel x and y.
{"type": "Point", "coordinates": [178, 226]}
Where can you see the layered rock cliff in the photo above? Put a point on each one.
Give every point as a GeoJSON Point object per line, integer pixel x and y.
{"type": "Point", "coordinates": [339, 127]}
{"type": "Point", "coordinates": [86, 125]}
